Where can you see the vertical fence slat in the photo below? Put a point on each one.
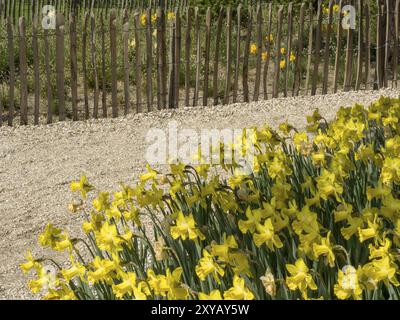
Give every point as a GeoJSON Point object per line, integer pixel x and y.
{"type": "Point", "coordinates": [275, 90]}
{"type": "Point", "coordinates": [297, 71]}
{"type": "Point", "coordinates": [268, 52]}
{"type": "Point", "coordinates": [50, 101]}
{"type": "Point", "coordinates": [387, 44]}
{"type": "Point", "coordinates": [198, 57]}
{"type": "Point", "coordinates": [177, 62]}
{"type": "Point", "coordinates": [207, 56]}
{"type": "Point", "coordinates": [367, 47]}
{"type": "Point", "coordinates": [149, 61]}
{"type": "Point", "coordinates": [23, 73]}
{"type": "Point", "coordinates": [216, 57]}
{"type": "Point", "coordinates": [73, 66]}
{"type": "Point", "coordinates": [326, 53]}
{"type": "Point", "coordinates": [259, 53]}
{"type": "Point", "coordinates": [317, 50]}
{"type": "Point", "coordinates": [159, 54]}
{"type": "Point", "coordinates": [11, 92]}
{"type": "Point", "coordinates": [237, 56]}
{"type": "Point", "coordinates": [36, 72]}
{"type": "Point", "coordinates": [171, 71]}
{"type": "Point", "coordinates": [349, 61]}
{"type": "Point", "coordinates": [378, 47]}
{"type": "Point", "coordinates": [113, 49]}
{"type": "Point", "coordinates": [103, 67]}
{"type": "Point", "coordinates": [126, 62]}
{"type": "Point", "coordinates": [93, 58]}
{"type": "Point", "coordinates": [228, 54]}
{"type": "Point", "coordinates": [188, 41]}
{"type": "Point", "coordinates": [360, 45]}
{"type": "Point", "coordinates": [84, 64]}
{"type": "Point", "coordinates": [60, 79]}
{"type": "Point", "coordinates": [163, 59]}
{"type": "Point", "coordinates": [310, 45]}
{"type": "Point", "coordinates": [288, 47]}
{"type": "Point", "coordinates": [245, 76]}
{"type": "Point", "coordinates": [396, 43]}
{"type": "Point", "coordinates": [339, 33]}
{"type": "Point", "coordinates": [138, 65]}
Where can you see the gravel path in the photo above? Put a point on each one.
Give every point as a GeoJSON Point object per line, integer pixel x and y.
{"type": "Point", "coordinates": [38, 163]}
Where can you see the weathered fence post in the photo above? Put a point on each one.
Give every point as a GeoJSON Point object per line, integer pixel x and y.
{"type": "Point", "coordinates": [103, 67]}
{"type": "Point", "coordinates": [228, 54]}
{"type": "Point", "coordinates": [288, 47]}
{"type": "Point", "coordinates": [339, 33]}
{"type": "Point", "coordinates": [217, 54]}
{"type": "Point", "coordinates": [245, 76]}
{"type": "Point", "coordinates": [60, 66]}
{"type": "Point", "coordinates": [348, 76]}
{"type": "Point", "coordinates": [275, 90]}
{"type": "Point", "coordinates": [237, 55]}
{"type": "Point", "coordinates": [126, 62]}
{"type": "Point", "coordinates": [23, 73]}
{"type": "Point", "coordinates": [268, 52]}
{"type": "Point", "coordinates": [198, 57]}
{"type": "Point", "coordinates": [11, 93]}
{"type": "Point", "coordinates": [94, 65]}
{"type": "Point", "coordinates": [259, 53]}
{"type": "Point", "coordinates": [207, 56]}
{"type": "Point", "coordinates": [297, 70]}
{"type": "Point", "coordinates": [317, 50]}
{"type": "Point", "coordinates": [360, 44]}
{"type": "Point", "coordinates": [149, 61]}
{"type": "Point", "coordinates": [188, 42]}
{"type": "Point", "coordinates": [138, 65]}
{"type": "Point", "coordinates": [177, 62]}
{"type": "Point", "coordinates": [73, 65]}
{"type": "Point", "coordinates": [84, 64]}
{"type": "Point", "coordinates": [113, 49]}
{"type": "Point", "coordinates": [326, 53]}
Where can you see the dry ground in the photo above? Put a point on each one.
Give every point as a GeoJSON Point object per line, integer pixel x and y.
{"type": "Point", "coordinates": [38, 163]}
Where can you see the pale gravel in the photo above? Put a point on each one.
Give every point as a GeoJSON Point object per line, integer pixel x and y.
{"type": "Point", "coordinates": [37, 164]}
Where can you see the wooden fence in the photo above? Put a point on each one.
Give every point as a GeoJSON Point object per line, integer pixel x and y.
{"type": "Point", "coordinates": [100, 64]}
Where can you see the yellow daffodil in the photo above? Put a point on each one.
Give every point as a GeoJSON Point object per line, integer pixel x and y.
{"type": "Point", "coordinates": [382, 270]}
{"type": "Point", "coordinates": [264, 56]}
{"type": "Point", "coordinates": [214, 295]}
{"type": "Point", "coordinates": [239, 291]}
{"type": "Point", "coordinates": [171, 16]}
{"type": "Point", "coordinates": [300, 278]}
{"type": "Point", "coordinates": [253, 48]}
{"type": "Point", "coordinates": [100, 270]}
{"type": "Point", "coordinates": [129, 286]}
{"type": "Point", "coordinates": [186, 228]}
{"type": "Point", "coordinates": [31, 263]}
{"type": "Point", "coordinates": [54, 238]}
{"type": "Point", "coordinates": [265, 234]}
{"type": "Point", "coordinates": [207, 265]}
{"type": "Point", "coordinates": [82, 186]}
{"type": "Point", "coordinates": [324, 248]}
{"type": "Point", "coordinates": [143, 19]}
{"type": "Point", "coordinates": [175, 289]}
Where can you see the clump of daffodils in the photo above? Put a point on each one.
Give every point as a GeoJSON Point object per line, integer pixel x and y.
{"type": "Point", "coordinates": [319, 218]}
